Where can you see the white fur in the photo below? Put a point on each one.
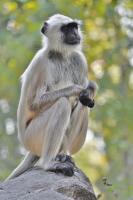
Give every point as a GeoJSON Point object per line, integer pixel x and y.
{"type": "Point", "coordinates": [49, 104]}
{"type": "Point", "coordinates": [53, 36]}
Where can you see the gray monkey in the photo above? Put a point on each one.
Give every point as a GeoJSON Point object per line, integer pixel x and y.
{"type": "Point", "coordinates": [55, 95]}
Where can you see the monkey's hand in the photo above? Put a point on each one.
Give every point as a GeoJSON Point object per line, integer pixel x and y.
{"type": "Point", "coordinates": [87, 95]}
{"type": "Point", "coordinates": [85, 99]}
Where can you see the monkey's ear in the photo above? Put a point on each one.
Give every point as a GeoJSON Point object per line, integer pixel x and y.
{"type": "Point", "coordinates": [44, 28]}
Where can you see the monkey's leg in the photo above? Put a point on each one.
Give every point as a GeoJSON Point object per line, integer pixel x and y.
{"type": "Point", "coordinates": [26, 163]}
{"type": "Point", "coordinates": [77, 130]}
{"type": "Point", "coordinates": [72, 142]}
{"type": "Point", "coordinates": [55, 130]}
{"type": "Point", "coordinates": [45, 133]}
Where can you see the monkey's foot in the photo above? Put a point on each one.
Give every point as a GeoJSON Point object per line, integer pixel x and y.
{"type": "Point", "coordinates": [63, 164]}
{"type": "Point", "coordinates": [63, 168]}
{"type": "Point", "coordinates": [64, 158]}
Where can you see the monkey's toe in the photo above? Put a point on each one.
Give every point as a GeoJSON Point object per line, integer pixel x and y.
{"type": "Point", "coordinates": [64, 168]}
{"type": "Point", "coordinates": [64, 158]}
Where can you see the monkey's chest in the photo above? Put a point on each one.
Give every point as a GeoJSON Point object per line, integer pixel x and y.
{"type": "Point", "coordinates": [65, 74]}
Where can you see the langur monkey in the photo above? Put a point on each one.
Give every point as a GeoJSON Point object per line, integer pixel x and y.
{"type": "Point", "coordinates": [55, 95]}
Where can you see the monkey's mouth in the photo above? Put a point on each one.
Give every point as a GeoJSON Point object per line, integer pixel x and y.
{"type": "Point", "coordinates": [73, 41]}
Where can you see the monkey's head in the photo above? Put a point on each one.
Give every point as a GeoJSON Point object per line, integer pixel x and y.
{"type": "Point", "coordinates": [62, 31]}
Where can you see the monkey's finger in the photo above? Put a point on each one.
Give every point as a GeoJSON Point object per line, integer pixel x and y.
{"type": "Point", "coordinates": [91, 103]}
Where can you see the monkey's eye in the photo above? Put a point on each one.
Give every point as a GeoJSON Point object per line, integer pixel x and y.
{"type": "Point", "coordinates": [70, 26]}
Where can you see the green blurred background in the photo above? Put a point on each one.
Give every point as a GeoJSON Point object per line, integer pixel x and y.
{"type": "Point", "coordinates": [107, 156]}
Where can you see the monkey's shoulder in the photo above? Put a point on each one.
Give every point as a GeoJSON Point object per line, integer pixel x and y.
{"type": "Point", "coordinates": [78, 62]}
{"type": "Point", "coordinates": [78, 55]}
{"type": "Point", "coordinates": [78, 58]}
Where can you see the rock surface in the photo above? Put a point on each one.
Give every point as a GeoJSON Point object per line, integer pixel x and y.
{"type": "Point", "coordinates": [37, 184]}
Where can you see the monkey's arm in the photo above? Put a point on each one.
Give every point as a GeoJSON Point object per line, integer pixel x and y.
{"type": "Point", "coordinates": [50, 97]}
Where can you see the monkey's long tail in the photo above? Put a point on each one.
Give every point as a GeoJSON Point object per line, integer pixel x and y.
{"type": "Point", "coordinates": [28, 162]}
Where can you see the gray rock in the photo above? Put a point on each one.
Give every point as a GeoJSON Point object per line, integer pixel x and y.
{"type": "Point", "coordinates": [37, 184]}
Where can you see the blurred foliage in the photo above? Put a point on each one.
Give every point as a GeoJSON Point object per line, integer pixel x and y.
{"type": "Point", "coordinates": [108, 45]}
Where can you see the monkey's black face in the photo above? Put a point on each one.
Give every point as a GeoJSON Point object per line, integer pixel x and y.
{"type": "Point", "coordinates": [70, 33]}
